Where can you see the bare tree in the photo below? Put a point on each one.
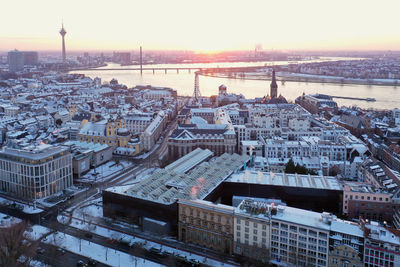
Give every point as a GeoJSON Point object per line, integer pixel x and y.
{"type": "Point", "coordinates": [15, 248]}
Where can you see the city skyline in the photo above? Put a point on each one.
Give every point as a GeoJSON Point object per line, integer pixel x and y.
{"type": "Point", "coordinates": [125, 25]}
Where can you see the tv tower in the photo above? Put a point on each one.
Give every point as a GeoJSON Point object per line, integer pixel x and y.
{"type": "Point", "coordinates": [63, 32]}
{"type": "Point", "coordinates": [196, 93]}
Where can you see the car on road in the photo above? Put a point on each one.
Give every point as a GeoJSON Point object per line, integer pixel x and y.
{"type": "Point", "coordinates": [111, 241]}
{"type": "Point", "coordinates": [92, 262]}
{"type": "Point", "coordinates": [167, 254]}
{"type": "Point", "coordinates": [88, 235]}
{"type": "Point", "coordinates": [81, 263]}
{"type": "Point", "coordinates": [155, 251]}
{"type": "Point", "coordinates": [194, 262]}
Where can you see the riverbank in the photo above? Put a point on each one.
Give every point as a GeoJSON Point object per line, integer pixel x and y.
{"type": "Point", "coordinates": [300, 77]}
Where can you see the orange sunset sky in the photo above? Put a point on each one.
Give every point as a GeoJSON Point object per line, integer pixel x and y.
{"type": "Point", "coordinates": [205, 25]}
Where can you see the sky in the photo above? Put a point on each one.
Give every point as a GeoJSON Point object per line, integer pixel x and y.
{"type": "Point", "coordinates": [203, 25]}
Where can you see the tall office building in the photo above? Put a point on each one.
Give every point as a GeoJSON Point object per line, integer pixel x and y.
{"type": "Point", "coordinates": [63, 32]}
{"type": "Point", "coordinates": [35, 172]}
{"type": "Point", "coordinates": [31, 58]}
{"type": "Point", "coordinates": [15, 61]}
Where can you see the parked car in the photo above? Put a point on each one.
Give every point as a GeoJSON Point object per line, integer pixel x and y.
{"type": "Point", "coordinates": [92, 262]}
{"type": "Point", "coordinates": [81, 263]}
{"type": "Point", "coordinates": [155, 250]}
{"type": "Point", "coordinates": [88, 235]}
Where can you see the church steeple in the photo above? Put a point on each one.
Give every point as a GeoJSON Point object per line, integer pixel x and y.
{"type": "Point", "coordinates": [273, 86]}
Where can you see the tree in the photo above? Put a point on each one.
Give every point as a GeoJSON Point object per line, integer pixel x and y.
{"type": "Point", "coordinates": [299, 169]}
{"type": "Point", "coordinates": [59, 122]}
{"type": "Point", "coordinates": [15, 248]}
{"type": "Point", "coordinates": [290, 168]}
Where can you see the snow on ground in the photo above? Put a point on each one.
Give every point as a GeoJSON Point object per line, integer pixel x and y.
{"type": "Point", "coordinates": [97, 252]}
{"type": "Point", "coordinates": [93, 208]}
{"type": "Point", "coordinates": [61, 196]}
{"type": "Point", "coordinates": [7, 221]}
{"type": "Point", "coordinates": [26, 208]}
{"type": "Point", "coordinates": [34, 263]}
{"type": "Point", "coordinates": [104, 171]}
{"type": "Point", "coordinates": [139, 176]}
{"type": "Point", "coordinates": [143, 156]}
{"type": "Point", "coordinates": [36, 232]}
{"type": "Point", "coordinates": [111, 234]}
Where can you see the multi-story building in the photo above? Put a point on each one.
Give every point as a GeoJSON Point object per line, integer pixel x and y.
{"type": "Point", "coordinates": [206, 113]}
{"type": "Point", "coordinates": [111, 132]}
{"type": "Point", "coordinates": [31, 58]}
{"type": "Point", "coordinates": [366, 201]}
{"type": "Point", "coordinates": [35, 172]}
{"type": "Point", "coordinates": [185, 140]}
{"type": "Point", "coordinates": [206, 224]}
{"type": "Point", "coordinates": [299, 237]}
{"type": "Point", "coordinates": [15, 61]}
{"type": "Point", "coordinates": [153, 131]}
{"type": "Point", "coordinates": [346, 244]}
{"type": "Point", "coordinates": [382, 246]}
{"type": "Point", "coordinates": [347, 154]}
{"type": "Point", "coordinates": [137, 123]}
{"type": "Point", "coordinates": [251, 230]}
{"type": "Point", "coordinates": [316, 103]}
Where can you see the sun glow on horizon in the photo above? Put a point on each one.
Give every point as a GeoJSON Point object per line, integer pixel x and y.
{"type": "Point", "coordinates": [206, 27]}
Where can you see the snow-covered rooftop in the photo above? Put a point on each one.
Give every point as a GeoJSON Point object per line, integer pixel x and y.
{"type": "Point", "coordinates": [286, 179]}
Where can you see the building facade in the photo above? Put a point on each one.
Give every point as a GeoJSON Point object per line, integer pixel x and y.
{"type": "Point", "coordinates": [252, 231]}
{"type": "Point", "coordinates": [35, 172]}
{"type": "Point", "coordinates": [206, 224]}
{"type": "Point", "coordinates": [183, 141]}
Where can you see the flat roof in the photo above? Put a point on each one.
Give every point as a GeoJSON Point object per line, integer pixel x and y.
{"type": "Point", "coordinates": [286, 179]}
{"type": "Point", "coordinates": [167, 186]}
{"type": "Point", "coordinates": [190, 160]}
{"type": "Point", "coordinates": [32, 152]}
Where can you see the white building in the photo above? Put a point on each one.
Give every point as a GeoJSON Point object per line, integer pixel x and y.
{"type": "Point", "coordinates": [299, 237]}
{"type": "Point", "coordinates": [152, 133]}
{"type": "Point", "coordinates": [137, 123]}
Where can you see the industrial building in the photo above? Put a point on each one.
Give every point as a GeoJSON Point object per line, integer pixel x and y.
{"type": "Point", "coordinates": [155, 197]}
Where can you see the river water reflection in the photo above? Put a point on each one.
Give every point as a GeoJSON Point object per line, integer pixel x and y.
{"type": "Point", "coordinates": [387, 97]}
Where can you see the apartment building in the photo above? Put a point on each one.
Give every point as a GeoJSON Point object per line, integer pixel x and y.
{"type": "Point", "coordinates": [206, 224]}
{"type": "Point", "coordinates": [137, 123]}
{"type": "Point", "coordinates": [366, 201]}
{"type": "Point", "coordinates": [252, 230]}
{"type": "Point", "coordinates": [382, 246]}
{"type": "Point", "coordinates": [149, 137]}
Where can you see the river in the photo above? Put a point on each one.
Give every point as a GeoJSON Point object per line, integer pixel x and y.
{"type": "Point", "coordinates": [387, 97]}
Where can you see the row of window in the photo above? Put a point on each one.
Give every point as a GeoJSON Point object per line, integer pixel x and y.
{"type": "Point", "coordinates": [365, 198]}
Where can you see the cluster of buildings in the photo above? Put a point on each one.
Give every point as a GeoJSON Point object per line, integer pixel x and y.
{"type": "Point", "coordinates": [18, 59]}
{"type": "Point", "coordinates": [92, 122]}
{"type": "Point", "coordinates": [222, 203]}
{"type": "Point", "coordinates": [273, 134]}
{"type": "Point", "coordinates": [373, 68]}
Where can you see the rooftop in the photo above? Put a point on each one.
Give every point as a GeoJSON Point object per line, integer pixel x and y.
{"type": "Point", "coordinates": [32, 152]}
{"type": "Point", "coordinates": [286, 179]}
{"type": "Point", "coordinates": [190, 160]}
{"type": "Point", "coordinates": [166, 186]}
